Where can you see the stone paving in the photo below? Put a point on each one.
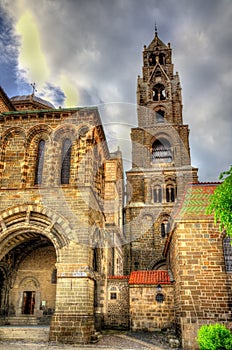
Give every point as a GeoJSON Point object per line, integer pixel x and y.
{"type": "Point", "coordinates": [108, 342]}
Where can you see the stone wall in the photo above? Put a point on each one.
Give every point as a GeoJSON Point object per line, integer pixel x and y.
{"type": "Point", "coordinates": [148, 314]}
{"type": "Point", "coordinates": [117, 314]}
{"type": "Point", "coordinates": [202, 287]}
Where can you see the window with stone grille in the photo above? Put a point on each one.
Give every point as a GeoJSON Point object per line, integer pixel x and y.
{"type": "Point", "coordinates": [39, 162]}
{"type": "Point", "coordinates": [161, 151]}
{"type": "Point", "coordinates": [228, 253]}
{"type": "Point", "coordinates": [66, 161]}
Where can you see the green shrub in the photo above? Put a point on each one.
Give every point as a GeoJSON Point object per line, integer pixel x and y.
{"type": "Point", "coordinates": [214, 337]}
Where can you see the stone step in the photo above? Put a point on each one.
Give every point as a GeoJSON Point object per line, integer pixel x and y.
{"type": "Point", "coordinates": [22, 320]}
{"type": "Point", "coordinates": [30, 333]}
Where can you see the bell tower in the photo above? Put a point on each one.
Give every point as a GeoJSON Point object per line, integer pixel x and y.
{"type": "Point", "coordinates": [161, 164]}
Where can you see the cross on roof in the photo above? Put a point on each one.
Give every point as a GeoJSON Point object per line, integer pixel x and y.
{"type": "Point", "coordinates": [33, 88]}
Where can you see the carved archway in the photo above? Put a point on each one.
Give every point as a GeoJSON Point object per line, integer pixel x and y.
{"type": "Point", "coordinates": [29, 232]}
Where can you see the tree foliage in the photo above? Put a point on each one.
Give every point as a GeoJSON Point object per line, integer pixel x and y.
{"type": "Point", "coordinates": [214, 337]}
{"type": "Point", "coordinates": [221, 202]}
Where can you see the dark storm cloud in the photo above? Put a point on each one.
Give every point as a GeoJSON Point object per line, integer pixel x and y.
{"type": "Point", "coordinates": [8, 52]}
{"type": "Point", "coordinates": [98, 44]}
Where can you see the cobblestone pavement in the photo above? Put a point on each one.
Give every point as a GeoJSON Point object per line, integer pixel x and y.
{"type": "Point", "coordinates": [108, 342]}
{"type": "Point", "coordinates": [111, 340]}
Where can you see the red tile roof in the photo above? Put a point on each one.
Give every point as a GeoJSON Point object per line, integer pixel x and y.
{"type": "Point", "coordinates": [150, 277]}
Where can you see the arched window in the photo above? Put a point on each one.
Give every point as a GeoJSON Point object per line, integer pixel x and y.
{"type": "Point", "coordinates": [227, 247]}
{"type": "Point", "coordinates": [165, 228]}
{"type": "Point", "coordinates": [66, 161]}
{"type": "Point", "coordinates": [157, 194]}
{"type": "Point", "coordinates": [152, 59]}
{"type": "Point", "coordinates": [162, 58]}
{"type": "Point", "coordinates": [159, 92]}
{"type": "Point", "coordinates": [161, 151]}
{"type": "Point", "coordinates": [160, 116]}
{"type": "Point", "coordinates": [170, 193]}
{"type": "Point", "coordinates": [39, 162]}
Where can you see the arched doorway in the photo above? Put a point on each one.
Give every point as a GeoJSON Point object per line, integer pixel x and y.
{"type": "Point", "coordinates": [29, 288]}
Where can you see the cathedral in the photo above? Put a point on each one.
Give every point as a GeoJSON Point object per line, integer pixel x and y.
{"type": "Point", "coordinates": [75, 256]}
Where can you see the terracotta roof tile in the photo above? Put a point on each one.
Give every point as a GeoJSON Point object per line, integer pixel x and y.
{"type": "Point", "coordinates": [150, 277]}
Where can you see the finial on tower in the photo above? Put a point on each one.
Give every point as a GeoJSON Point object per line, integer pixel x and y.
{"type": "Point", "coordinates": [156, 30]}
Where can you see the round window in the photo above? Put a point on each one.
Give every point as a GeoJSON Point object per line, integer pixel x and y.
{"type": "Point", "coordinates": [159, 298]}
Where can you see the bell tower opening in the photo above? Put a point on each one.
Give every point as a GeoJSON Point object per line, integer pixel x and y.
{"type": "Point", "coordinates": [161, 151]}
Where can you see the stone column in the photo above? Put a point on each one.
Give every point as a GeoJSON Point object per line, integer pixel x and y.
{"type": "Point", "coordinates": [147, 191]}
{"type": "Point", "coordinates": [73, 320]}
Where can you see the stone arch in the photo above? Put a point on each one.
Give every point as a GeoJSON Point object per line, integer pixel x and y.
{"type": "Point", "coordinates": [29, 279]}
{"type": "Point", "coordinates": [84, 128]}
{"type": "Point", "coordinates": [9, 133]}
{"type": "Point", "coordinates": [25, 219]}
{"type": "Point", "coordinates": [34, 136]}
{"type": "Point", "coordinates": [12, 156]}
{"type": "Point", "coordinates": [31, 236]}
{"type": "Point", "coordinates": [62, 134]}
{"type": "Point", "coordinates": [65, 131]}
{"type": "Point", "coordinates": [158, 264]}
{"type": "Point", "coordinates": [147, 216]}
{"type": "Point", "coordinates": [171, 138]}
{"type": "Point", "coordinates": [37, 131]}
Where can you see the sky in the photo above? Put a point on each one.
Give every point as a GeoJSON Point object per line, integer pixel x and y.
{"type": "Point", "coordinates": [89, 52]}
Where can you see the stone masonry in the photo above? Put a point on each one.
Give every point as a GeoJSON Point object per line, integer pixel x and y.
{"type": "Point", "coordinates": [58, 228]}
